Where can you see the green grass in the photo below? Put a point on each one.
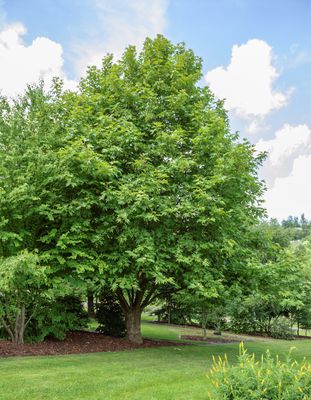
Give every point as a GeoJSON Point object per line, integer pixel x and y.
{"type": "Point", "coordinates": [177, 372]}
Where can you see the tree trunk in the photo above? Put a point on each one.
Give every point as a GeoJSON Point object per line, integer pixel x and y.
{"type": "Point", "coordinates": [133, 320]}
{"type": "Point", "coordinates": [19, 326]}
{"type": "Point", "coordinates": [132, 304]}
{"type": "Point", "coordinates": [90, 304]}
{"type": "Point", "coordinates": [19, 338]}
{"type": "Point", "coordinates": [169, 315]}
{"type": "Point", "coordinates": [204, 322]}
{"type": "Point", "coordinates": [298, 328]}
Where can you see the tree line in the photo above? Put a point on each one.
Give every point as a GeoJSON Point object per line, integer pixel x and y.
{"type": "Point", "coordinates": [272, 297]}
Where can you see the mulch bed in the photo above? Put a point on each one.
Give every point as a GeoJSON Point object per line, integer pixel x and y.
{"type": "Point", "coordinates": [209, 340]}
{"type": "Point", "coordinates": [77, 343]}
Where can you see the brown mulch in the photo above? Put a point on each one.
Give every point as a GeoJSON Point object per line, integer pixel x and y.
{"type": "Point", "coordinates": [208, 340]}
{"type": "Point", "coordinates": [77, 343]}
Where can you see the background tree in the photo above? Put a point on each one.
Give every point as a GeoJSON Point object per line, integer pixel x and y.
{"type": "Point", "coordinates": [36, 204]}
{"type": "Point", "coordinates": [275, 295]}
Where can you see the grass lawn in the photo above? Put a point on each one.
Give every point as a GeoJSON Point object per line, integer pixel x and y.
{"type": "Point", "coordinates": [160, 373]}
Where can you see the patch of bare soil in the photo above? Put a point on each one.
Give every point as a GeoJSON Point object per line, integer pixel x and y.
{"type": "Point", "coordinates": [217, 340]}
{"type": "Point", "coordinates": [77, 343]}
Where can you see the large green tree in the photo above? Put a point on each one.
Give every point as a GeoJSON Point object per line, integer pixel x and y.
{"type": "Point", "coordinates": [171, 192]}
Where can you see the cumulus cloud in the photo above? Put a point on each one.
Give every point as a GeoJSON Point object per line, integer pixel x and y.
{"type": "Point", "coordinates": [247, 82]}
{"type": "Point", "coordinates": [291, 195]}
{"type": "Point", "coordinates": [248, 86]}
{"type": "Point", "coordinates": [21, 64]}
{"type": "Point", "coordinates": [257, 125]}
{"type": "Point", "coordinates": [122, 22]}
{"type": "Point", "coordinates": [289, 143]}
{"type": "Point", "coordinates": [285, 171]}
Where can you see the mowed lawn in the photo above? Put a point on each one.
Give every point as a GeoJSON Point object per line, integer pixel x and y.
{"type": "Point", "coordinates": [177, 372]}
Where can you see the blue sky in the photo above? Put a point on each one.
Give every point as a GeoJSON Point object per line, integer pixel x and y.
{"type": "Point", "coordinates": [257, 55]}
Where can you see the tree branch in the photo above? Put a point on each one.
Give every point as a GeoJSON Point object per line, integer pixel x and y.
{"type": "Point", "coordinates": [9, 330]}
{"type": "Point", "coordinates": [141, 292]}
{"type": "Point", "coordinates": [124, 304]}
{"type": "Point", "coordinates": [150, 297]}
{"type": "Point", "coordinates": [29, 319]}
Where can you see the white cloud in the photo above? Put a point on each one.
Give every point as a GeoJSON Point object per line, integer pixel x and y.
{"type": "Point", "coordinates": [122, 22]}
{"type": "Point", "coordinates": [247, 82]}
{"type": "Point", "coordinates": [256, 125]}
{"type": "Point", "coordinates": [289, 143]}
{"type": "Point", "coordinates": [291, 195]}
{"type": "Point", "coordinates": [21, 64]}
{"type": "Point", "coordinates": [285, 171]}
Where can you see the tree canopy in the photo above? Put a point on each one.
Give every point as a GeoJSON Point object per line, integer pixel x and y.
{"type": "Point", "coordinates": [175, 190]}
{"type": "Point", "coordinates": [134, 181]}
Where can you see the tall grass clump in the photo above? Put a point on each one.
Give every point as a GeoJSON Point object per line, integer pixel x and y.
{"type": "Point", "coordinates": [267, 379]}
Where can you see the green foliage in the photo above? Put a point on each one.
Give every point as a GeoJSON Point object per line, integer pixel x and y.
{"type": "Point", "coordinates": [202, 307]}
{"type": "Point", "coordinates": [135, 181]}
{"type": "Point", "coordinates": [30, 308]}
{"type": "Point", "coordinates": [110, 315]}
{"type": "Point", "coordinates": [170, 191]}
{"type": "Point", "coordinates": [268, 379]}
{"type": "Point", "coordinates": [289, 230]}
{"type": "Point", "coordinates": [39, 206]}
{"type": "Point", "coordinates": [23, 284]}
{"type": "Point", "coordinates": [174, 312]}
{"type": "Point", "coordinates": [57, 317]}
{"type": "Point", "coordinates": [215, 317]}
{"type": "Point", "coordinates": [281, 329]}
{"type": "Point", "coordinates": [253, 313]}
{"type": "Point", "coordinates": [297, 228]}
{"type": "Point", "coordinates": [277, 286]}
{"type": "Point", "coordinates": [30, 137]}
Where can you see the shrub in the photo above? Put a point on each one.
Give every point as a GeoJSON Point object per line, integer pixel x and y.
{"type": "Point", "coordinates": [242, 316]}
{"type": "Point", "coordinates": [215, 319]}
{"type": "Point", "coordinates": [174, 313]}
{"type": "Point", "coordinates": [268, 379]}
{"type": "Point", "coordinates": [23, 284]}
{"type": "Point", "coordinates": [57, 317]}
{"type": "Point", "coordinates": [110, 316]}
{"type": "Point", "coordinates": [280, 329]}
